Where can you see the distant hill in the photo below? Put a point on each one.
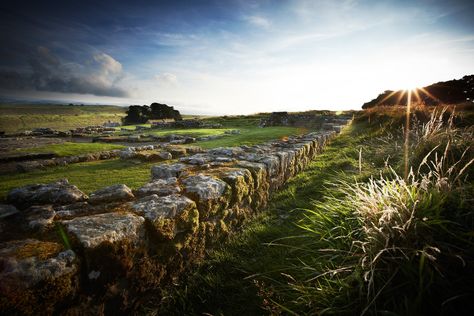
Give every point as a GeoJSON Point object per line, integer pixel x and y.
{"type": "Point", "coordinates": [447, 92]}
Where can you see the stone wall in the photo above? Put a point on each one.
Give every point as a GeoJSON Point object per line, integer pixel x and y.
{"type": "Point", "coordinates": [63, 251]}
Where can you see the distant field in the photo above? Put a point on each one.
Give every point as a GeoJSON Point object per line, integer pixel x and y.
{"type": "Point", "coordinates": [71, 149]}
{"type": "Point", "coordinates": [251, 136]}
{"type": "Point", "coordinates": [90, 176]}
{"type": "Point", "coordinates": [20, 117]}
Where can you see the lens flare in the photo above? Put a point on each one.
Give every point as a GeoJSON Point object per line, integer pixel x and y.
{"type": "Point", "coordinates": [407, 133]}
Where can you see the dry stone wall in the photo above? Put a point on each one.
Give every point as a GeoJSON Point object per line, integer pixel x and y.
{"type": "Point", "coordinates": [64, 251]}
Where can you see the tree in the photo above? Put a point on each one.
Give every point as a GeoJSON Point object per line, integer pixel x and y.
{"type": "Point", "coordinates": [162, 111]}
{"type": "Point", "coordinates": [137, 114]}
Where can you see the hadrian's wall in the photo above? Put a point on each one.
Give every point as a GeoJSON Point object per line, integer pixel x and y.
{"type": "Point", "coordinates": [65, 251]}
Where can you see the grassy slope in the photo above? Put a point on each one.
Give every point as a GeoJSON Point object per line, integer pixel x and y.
{"type": "Point", "coordinates": [70, 149]}
{"type": "Point", "coordinates": [18, 117]}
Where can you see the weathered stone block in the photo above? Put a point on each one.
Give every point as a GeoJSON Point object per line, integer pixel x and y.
{"type": "Point", "coordinates": [60, 192]}
{"type": "Point", "coordinates": [92, 231]}
{"type": "Point", "coordinates": [260, 181]}
{"type": "Point", "coordinates": [40, 217]}
{"type": "Point", "coordinates": [113, 193]}
{"type": "Point", "coordinates": [35, 277]}
{"type": "Point", "coordinates": [211, 195]}
{"type": "Point", "coordinates": [111, 243]}
{"type": "Point", "coordinates": [160, 187]}
{"type": "Point", "coordinates": [165, 171]}
{"type": "Point", "coordinates": [240, 181]}
{"type": "Point", "coordinates": [168, 215]}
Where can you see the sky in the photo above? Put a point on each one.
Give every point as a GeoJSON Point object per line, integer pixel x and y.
{"type": "Point", "coordinates": [231, 57]}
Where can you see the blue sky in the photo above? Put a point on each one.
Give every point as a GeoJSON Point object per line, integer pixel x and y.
{"type": "Point", "coordinates": [231, 57]}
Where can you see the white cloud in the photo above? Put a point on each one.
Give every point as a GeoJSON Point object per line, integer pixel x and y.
{"type": "Point", "coordinates": [258, 21]}
{"type": "Point", "coordinates": [167, 79]}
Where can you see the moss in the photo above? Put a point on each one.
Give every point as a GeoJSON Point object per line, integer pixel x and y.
{"type": "Point", "coordinates": [40, 250]}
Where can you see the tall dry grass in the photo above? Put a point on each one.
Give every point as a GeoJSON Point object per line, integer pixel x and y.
{"type": "Point", "coordinates": [401, 245]}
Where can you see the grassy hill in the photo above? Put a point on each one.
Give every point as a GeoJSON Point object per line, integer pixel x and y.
{"type": "Point", "coordinates": [446, 92]}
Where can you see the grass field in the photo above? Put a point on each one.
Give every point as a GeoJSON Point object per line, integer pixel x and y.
{"type": "Point", "coordinates": [88, 176]}
{"type": "Point", "coordinates": [20, 117]}
{"type": "Point", "coordinates": [251, 136]}
{"type": "Point", "coordinates": [95, 175]}
{"type": "Point", "coordinates": [70, 149]}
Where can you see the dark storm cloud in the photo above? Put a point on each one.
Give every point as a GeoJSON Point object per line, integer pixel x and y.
{"type": "Point", "coordinates": [98, 76]}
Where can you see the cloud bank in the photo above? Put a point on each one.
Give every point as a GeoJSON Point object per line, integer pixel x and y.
{"type": "Point", "coordinates": [98, 76]}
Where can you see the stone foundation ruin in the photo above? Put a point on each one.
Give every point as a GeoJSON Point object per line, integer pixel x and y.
{"type": "Point", "coordinates": [65, 252]}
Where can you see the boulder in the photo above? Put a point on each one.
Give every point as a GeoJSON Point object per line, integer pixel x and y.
{"type": "Point", "coordinates": [113, 193]}
{"type": "Point", "coordinates": [168, 215]}
{"type": "Point", "coordinates": [57, 193]}
{"type": "Point", "coordinates": [160, 187]}
{"type": "Point", "coordinates": [210, 194]}
{"type": "Point", "coordinates": [165, 171]}
{"type": "Point", "coordinates": [36, 276]}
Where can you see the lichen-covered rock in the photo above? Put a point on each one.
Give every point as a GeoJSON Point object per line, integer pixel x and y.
{"type": "Point", "coordinates": [260, 181]}
{"type": "Point", "coordinates": [35, 277]}
{"type": "Point", "coordinates": [177, 151]}
{"type": "Point", "coordinates": [127, 153]}
{"type": "Point", "coordinates": [40, 217]}
{"type": "Point", "coordinates": [164, 155]}
{"type": "Point", "coordinates": [165, 171]}
{"type": "Point", "coordinates": [211, 195]}
{"type": "Point", "coordinates": [113, 248]}
{"type": "Point", "coordinates": [197, 159]}
{"type": "Point", "coordinates": [160, 187]}
{"type": "Point", "coordinates": [194, 149]}
{"type": "Point", "coordinates": [226, 151]}
{"type": "Point", "coordinates": [241, 182]}
{"type": "Point", "coordinates": [113, 193]}
{"type": "Point", "coordinates": [7, 210]}
{"type": "Point", "coordinates": [60, 192]}
{"type": "Point", "coordinates": [168, 215]}
{"type": "Point", "coordinates": [94, 230]}
{"type": "Point", "coordinates": [73, 210]}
